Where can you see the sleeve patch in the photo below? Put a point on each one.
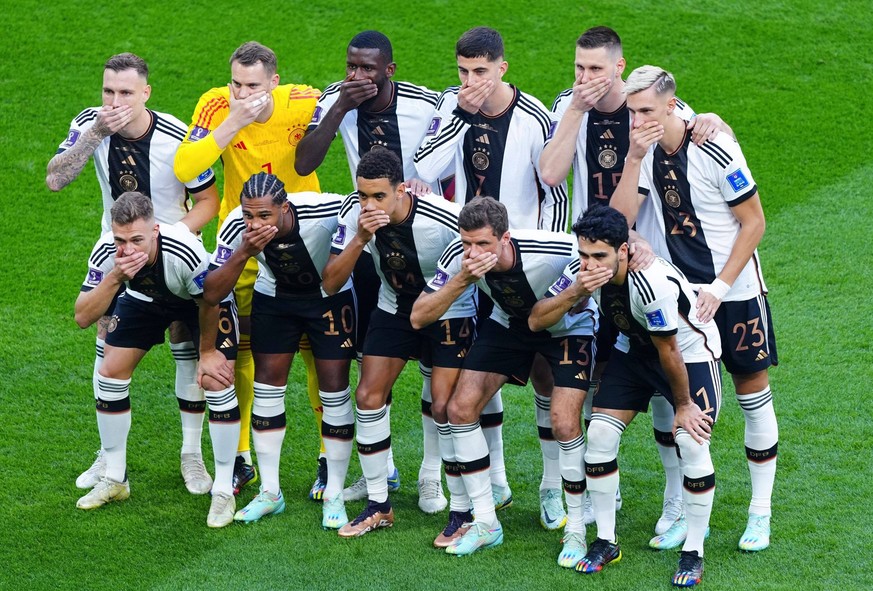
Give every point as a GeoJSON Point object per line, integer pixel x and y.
{"type": "Point", "coordinates": [222, 254]}
{"type": "Point", "coordinates": [200, 279]}
{"type": "Point", "coordinates": [738, 180]}
{"type": "Point", "coordinates": [340, 237]}
{"type": "Point", "coordinates": [72, 137]}
{"type": "Point", "coordinates": [656, 319]}
{"type": "Point", "coordinates": [552, 128]}
{"type": "Point", "coordinates": [561, 284]}
{"type": "Point", "coordinates": [197, 133]}
{"type": "Point", "coordinates": [316, 116]}
{"type": "Point", "coordinates": [440, 278]}
{"type": "Point", "coordinates": [205, 175]}
{"type": "Point", "coordinates": [434, 126]}
{"type": "Point", "coordinates": [95, 276]}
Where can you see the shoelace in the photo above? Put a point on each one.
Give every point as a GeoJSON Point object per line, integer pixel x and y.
{"type": "Point", "coordinates": [195, 469]}
{"type": "Point", "coordinates": [430, 489]}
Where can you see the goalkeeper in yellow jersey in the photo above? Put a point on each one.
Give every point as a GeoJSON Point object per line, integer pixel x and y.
{"type": "Point", "coordinates": [253, 125]}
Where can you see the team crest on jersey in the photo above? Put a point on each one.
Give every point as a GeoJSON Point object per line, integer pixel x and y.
{"type": "Point", "coordinates": [672, 198]}
{"type": "Point", "coordinates": [440, 278]}
{"type": "Point", "coordinates": [95, 276]}
{"type": "Point", "coordinates": [480, 161]}
{"type": "Point", "coordinates": [296, 135]}
{"type": "Point", "coordinates": [621, 322]}
{"type": "Point", "coordinates": [198, 281]}
{"type": "Point", "coordinates": [738, 180]}
{"type": "Point", "coordinates": [197, 133]}
{"type": "Point", "coordinates": [128, 182]}
{"type": "Point", "coordinates": [607, 158]}
{"type": "Point", "coordinates": [396, 261]}
{"type": "Point", "coordinates": [222, 254]}
{"type": "Point", "coordinates": [561, 284]}
{"type": "Point", "coordinates": [434, 126]}
{"type": "Point", "coordinates": [656, 319]}
{"type": "Point", "coordinates": [72, 137]}
{"type": "Point", "coordinates": [316, 115]}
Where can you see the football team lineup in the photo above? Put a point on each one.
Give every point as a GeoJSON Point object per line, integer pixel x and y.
{"type": "Point", "coordinates": [453, 251]}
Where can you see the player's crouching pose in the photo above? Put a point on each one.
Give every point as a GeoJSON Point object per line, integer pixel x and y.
{"type": "Point", "coordinates": [406, 235]}
{"type": "Point", "coordinates": [662, 348]}
{"type": "Point", "coordinates": [514, 271]}
{"type": "Point", "coordinates": [162, 268]}
{"type": "Point", "coordinates": [289, 236]}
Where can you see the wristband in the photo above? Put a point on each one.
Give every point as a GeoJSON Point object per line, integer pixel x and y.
{"type": "Point", "coordinates": [717, 288]}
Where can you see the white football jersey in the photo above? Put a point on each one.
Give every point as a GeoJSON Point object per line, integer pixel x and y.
{"type": "Point", "coordinates": [495, 156]}
{"type": "Point", "coordinates": [143, 164]}
{"type": "Point", "coordinates": [540, 259]}
{"type": "Point", "coordinates": [406, 254]}
{"type": "Point", "coordinates": [401, 127]}
{"type": "Point", "coordinates": [657, 301]}
{"type": "Point", "coordinates": [290, 266]}
{"type": "Point", "coordinates": [174, 279]}
{"type": "Point", "coordinates": [692, 192]}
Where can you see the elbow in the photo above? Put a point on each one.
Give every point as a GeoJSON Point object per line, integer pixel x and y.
{"type": "Point", "coordinates": [416, 320]}
{"type": "Point", "coordinates": [82, 320]}
{"type": "Point", "coordinates": [329, 287]}
{"type": "Point", "coordinates": [551, 179]}
{"type": "Point", "coordinates": [303, 168]}
{"type": "Point", "coordinates": [534, 324]}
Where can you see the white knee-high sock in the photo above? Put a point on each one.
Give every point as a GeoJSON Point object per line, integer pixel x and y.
{"type": "Point", "coordinates": [98, 361]}
{"type": "Point", "coordinates": [699, 488]}
{"type": "Point", "coordinates": [491, 422]}
{"type": "Point", "coordinates": [762, 437]}
{"type": "Point", "coordinates": [430, 461]}
{"type": "Point", "coordinates": [548, 445]}
{"type": "Point", "coordinates": [662, 423]}
{"type": "Point", "coordinates": [458, 498]}
{"type": "Point", "coordinates": [374, 441]}
{"type": "Point", "coordinates": [192, 404]}
{"type": "Point", "coordinates": [268, 432]}
{"type": "Point", "coordinates": [113, 422]}
{"type": "Point", "coordinates": [337, 432]}
{"type": "Point", "coordinates": [571, 460]}
{"type": "Point", "coordinates": [224, 429]}
{"type": "Point", "coordinates": [471, 451]}
{"type": "Point", "coordinates": [601, 470]}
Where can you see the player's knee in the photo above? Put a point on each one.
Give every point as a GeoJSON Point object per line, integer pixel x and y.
{"type": "Point", "coordinates": [367, 398]}
{"type": "Point", "coordinates": [460, 413]}
{"type": "Point", "coordinates": [691, 452]}
{"type": "Point", "coordinates": [603, 441]}
{"type": "Point", "coordinates": [565, 426]}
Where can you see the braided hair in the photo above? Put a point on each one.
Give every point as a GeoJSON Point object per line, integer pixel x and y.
{"type": "Point", "coordinates": [263, 184]}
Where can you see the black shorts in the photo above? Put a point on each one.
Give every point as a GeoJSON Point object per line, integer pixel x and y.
{"type": "Point", "coordinates": [278, 324]}
{"type": "Point", "coordinates": [136, 324]}
{"type": "Point", "coordinates": [607, 334]}
{"type": "Point", "coordinates": [511, 353]}
{"type": "Point", "coordinates": [748, 343]}
{"type": "Point", "coordinates": [629, 382]}
{"type": "Point", "coordinates": [442, 344]}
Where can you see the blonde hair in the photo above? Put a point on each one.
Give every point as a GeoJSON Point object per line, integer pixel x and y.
{"type": "Point", "coordinates": [646, 77]}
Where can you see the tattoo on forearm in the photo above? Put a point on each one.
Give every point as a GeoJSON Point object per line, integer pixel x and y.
{"type": "Point", "coordinates": [66, 166]}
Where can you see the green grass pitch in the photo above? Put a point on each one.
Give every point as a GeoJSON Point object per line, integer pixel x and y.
{"type": "Point", "coordinates": [793, 80]}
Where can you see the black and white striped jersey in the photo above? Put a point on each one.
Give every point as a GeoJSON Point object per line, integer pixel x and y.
{"type": "Point", "coordinates": [290, 266]}
{"type": "Point", "coordinates": [540, 259]}
{"type": "Point", "coordinates": [144, 164]}
{"type": "Point", "coordinates": [657, 301]}
{"type": "Point", "coordinates": [601, 149]}
{"type": "Point", "coordinates": [406, 254]}
{"type": "Point", "coordinates": [175, 278]}
{"type": "Point", "coordinates": [692, 192]}
{"type": "Point", "coordinates": [401, 127]}
{"type": "Point", "coordinates": [495, 156]}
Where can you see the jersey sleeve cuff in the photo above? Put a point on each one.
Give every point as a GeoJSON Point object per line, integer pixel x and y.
{"type": "Point", "coordinates": [744, 197]}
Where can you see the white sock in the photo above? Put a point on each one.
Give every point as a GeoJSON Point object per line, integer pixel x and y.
{"type": "Point", "coordinates": [390, 458]}
{"type": "Point", "coordinates": [601, 470]}
{"type": "Point", "coordinates": [268, 432]}
{"type": "Point", "coordinates": [491, 422]}
{"type": "Point", "coordinates": [699, 488]}
{"type": "Point", "coordinates": [338, 432]}
{"type": "Point", "coordinates": [458, 499]}
{"type": "Point", "coordinates": [471, 452]}
{"type": "Point", "coordinates": [662, 423]}
{"type": "Point", "coordinates": [98, 361]}
{"type": "Point", "coordinates": [113, 422]}
{"type": "Point", "coordinates": [430, 461]}
{"type": "Point", "coordinates": [548, 445]}
{"type": "Point", "coordinates": [224, 430]}
{"type": "Point", "coordinates": [374, 442]}
{"type": "Point", "coordinates": [572, 464]}
{"type": "Point", "coordinates": [192, 404]}
{"type": "Point", "coordinates": [762, 437]}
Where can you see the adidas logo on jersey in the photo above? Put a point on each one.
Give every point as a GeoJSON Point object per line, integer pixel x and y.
{"type": "Point", "coordinates": [483, 139]}
{"type": "Point", "coordinates": [671, 175]}
{"type": "Point", "coordinates": [378, 130]}
{"type": "Point", "coordinates": [129, 160]}
{"type": "Point", "coordinates": [607, 135]}
{"type": "Point", "coordinates": [347, 344]}
{"type": "Point", "coordinates": [582, 376]}
{"type": "Point", "coordinates": [226, 344]}
{"type": "Point", "coordinates": [762, 355]}
{"type": "Point", "coordinates": [240, 146]}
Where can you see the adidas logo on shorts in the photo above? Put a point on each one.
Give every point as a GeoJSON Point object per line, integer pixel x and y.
{"type": "Point", "coordinates": [582, 376]}
{"type": "Point", "coordinates": [761, 355]}
{"type": "Point", "coordinates": [226, 344]}
{"type": "Point", "coordinates": [347, 344]}
{"type": "Point", "coordinates": [462, 354]}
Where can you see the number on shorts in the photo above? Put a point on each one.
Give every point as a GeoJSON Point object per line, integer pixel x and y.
{"type": "Point", "coordinates": [702, 394]}
{"type": "Point", "coordinates": [740, 327]}
{"type": "Point", "coordinates": [345, 319]}
{"type": "Point", "coordinates": [584, 359]}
